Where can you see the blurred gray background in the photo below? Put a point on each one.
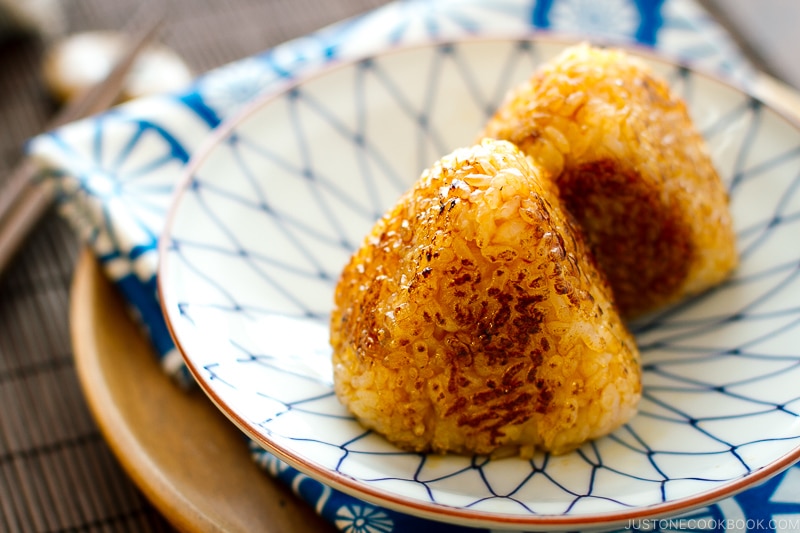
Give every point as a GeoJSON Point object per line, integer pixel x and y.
{"type": "Point", "coordinates": [768, 30]}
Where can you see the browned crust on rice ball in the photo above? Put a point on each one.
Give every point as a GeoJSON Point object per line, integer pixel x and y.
{"type": "Point", "coordinates": [633, 170]}
{"type": "Point", "coordinates": [474, 320]}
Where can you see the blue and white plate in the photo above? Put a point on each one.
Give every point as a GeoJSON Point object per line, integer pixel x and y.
{"type": "Point", "coordinates": [278, 200]}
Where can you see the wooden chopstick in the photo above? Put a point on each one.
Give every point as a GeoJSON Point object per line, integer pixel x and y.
{"type": "Point", "coordinates": [23, 201]}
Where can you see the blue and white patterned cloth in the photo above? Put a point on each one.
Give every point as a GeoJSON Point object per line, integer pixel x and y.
{"type": "Point", "coordinates": [119, 207]}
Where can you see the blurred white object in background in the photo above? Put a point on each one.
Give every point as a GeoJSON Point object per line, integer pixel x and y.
{"type": "Point", "coordinates": [78, 61]}
{"type": "Point", "coordinates": [43, 17]}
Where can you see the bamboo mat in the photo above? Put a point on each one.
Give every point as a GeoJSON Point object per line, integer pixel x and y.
{"type": "Point", "coordinates": [56, 471]}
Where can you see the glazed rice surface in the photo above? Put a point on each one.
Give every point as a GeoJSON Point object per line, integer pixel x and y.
{"type": "Point", "coordinates": [632, 168]}
{"type": "Point", "coordinates": [474, 320]}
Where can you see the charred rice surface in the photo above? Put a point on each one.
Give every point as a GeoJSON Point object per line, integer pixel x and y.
{"type": "Point", "coordinates": [633, 170]}
{"type": "Point", "coordinates": [474, 320]}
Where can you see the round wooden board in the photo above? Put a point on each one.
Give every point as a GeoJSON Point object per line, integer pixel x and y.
{"type": "Point", "coordinates": [184, 455]}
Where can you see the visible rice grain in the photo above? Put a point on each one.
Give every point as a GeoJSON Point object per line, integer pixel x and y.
{"type": "Point", "coordinates": [633, 170]}
{"type": "Point", "coordinates": [487, 328]}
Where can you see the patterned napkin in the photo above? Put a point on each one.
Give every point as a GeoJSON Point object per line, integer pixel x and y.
{"type": "Point", "coordinates": [118, 204]}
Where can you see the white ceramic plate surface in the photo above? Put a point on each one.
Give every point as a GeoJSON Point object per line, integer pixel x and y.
{"type": "Point", "coordinates": [284, 193]}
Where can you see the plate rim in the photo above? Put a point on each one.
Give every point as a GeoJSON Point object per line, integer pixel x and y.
{"type": "Point", "coordinates": [95, 310]}
{"type": "Point", "coordinates": [427, 509]}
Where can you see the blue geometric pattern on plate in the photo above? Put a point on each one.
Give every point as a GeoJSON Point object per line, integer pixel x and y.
{"type": "Point", "coordinates": [686, 32]}
{"type": "Point", "coordinates": [273, 210]}
{"type": "Point", "coordinates": [770, 506]}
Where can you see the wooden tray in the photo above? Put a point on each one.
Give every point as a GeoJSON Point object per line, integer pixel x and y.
{"type": "Point", "coordinates": [184, 455]}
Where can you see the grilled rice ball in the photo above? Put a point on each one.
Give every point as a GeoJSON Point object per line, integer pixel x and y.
{"type": "Point", "coordinates": [474, 320]}
{"type": "Point", "coordinates": [633, 170]}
